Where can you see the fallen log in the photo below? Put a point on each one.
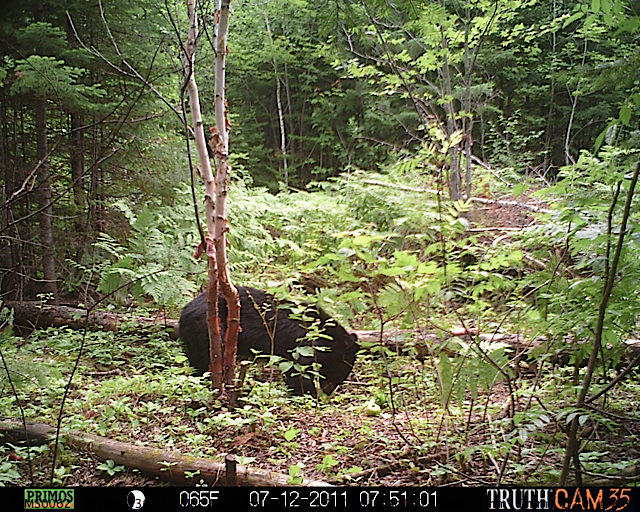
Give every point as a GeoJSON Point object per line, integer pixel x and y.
{"type": "Point", "coordinates": [35, 315]}
{"type": "Point", "coordinates": [32, 315]}
{"type": "Point", "coordinates": [169, 466]}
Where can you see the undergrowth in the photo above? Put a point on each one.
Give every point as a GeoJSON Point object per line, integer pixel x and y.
{"type": "Point", "coordinates": [470, 371]}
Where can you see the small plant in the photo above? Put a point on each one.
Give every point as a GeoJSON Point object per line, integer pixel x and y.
{"type": "Point", "coordinates": [291, 433]}
{"type": "Point", "coordinates": [8, 473]}
{"type": "Point", "coordinates": [327, 464]}
{"type": "Point", "coordinates": [295, 475]}
{"type": "Point", "coordinates": [61, 474]}
{"type": "Point", "coordinates": [109, 467]}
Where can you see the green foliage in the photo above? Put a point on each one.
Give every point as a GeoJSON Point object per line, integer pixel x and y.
{"type": "Point", "coordinates": [295, 474]}
{"type": "Point", "coordinates": [587, 226]}
{"type": "Point", "coordinates": [8, 473]}
{"type": "Point", "coordinates": [289, 229]}
{"type": "Point", "coordinates": [44, 39]}
{"type": "Point", "coordinates": [327, 464]}
{"type": "Point", "coordinates": [274, 233]}
{"type": "Point", "coordinates": [421, 266]}
{"type": "Point", "coordinates": [23, 370]}
{"type": "Point", "coordinates": [44, 72]}
{"type": "Point", "coordinates": [155, 261]}
{"type": "Point", "coordinates": [324, 116]}
{"type": "Point", "coordinates": [477, 365]}
{"type": "Point", "coordinates": [45, 77]}
{"type": "Point", "coordinates": [110, 467]}
{"type": "Point", "coordinates": [567, 62]}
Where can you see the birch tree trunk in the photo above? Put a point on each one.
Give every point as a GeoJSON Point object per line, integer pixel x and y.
{"type": "Point", "coordinates": [213, 315]}
{"type": "Point", "coordinates": [222, 353]}
{"type": "Point", "coordinates": [220, 143]}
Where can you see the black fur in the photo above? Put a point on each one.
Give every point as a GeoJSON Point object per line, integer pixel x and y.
{"type": "Point", "coordinates": [259, 312]}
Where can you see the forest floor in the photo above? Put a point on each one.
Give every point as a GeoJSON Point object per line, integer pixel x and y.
{"type": "Point", "coordinates": [414, 441]}
{"type": "Point", "coordinates": [340, 445]}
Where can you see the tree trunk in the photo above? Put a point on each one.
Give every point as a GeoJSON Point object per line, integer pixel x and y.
{"type": "Point", "coordinates": [222, 353]}
{"type": "Point", "coordinates": [283, 137]}
{"type": "Point", "coordinates": [454, 177]}
{"type": "Point", "coordinates": [467, 125]}
{"type": "Point", "coordinates": [221, 150]}
{"type": "Point", "coordinates": [76, 160]}
{"type": "Point", "coordinates": [45, 196]}
{"type": "Point", "coordinates": [213, 313]}
{"type": "Point", "coordinates": [95, 189]}
{"type": "Point", "coordinates": [573, 97]}
{"type": "Point", "coordinates": [7, 276]}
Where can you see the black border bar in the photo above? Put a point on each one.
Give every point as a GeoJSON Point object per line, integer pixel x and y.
{"type": "Point", "coordinates": [609, 499]}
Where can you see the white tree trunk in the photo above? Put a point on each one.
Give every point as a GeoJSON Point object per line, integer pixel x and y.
{"type": "Point", "coordinates": [283, 137]}
{"type": "Point", "coordinates": [223, 354]}
{"type": "Point", "coordinates": [220, 143]}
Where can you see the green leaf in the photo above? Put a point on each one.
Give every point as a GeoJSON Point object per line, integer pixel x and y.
{"type": "Point", "coordinates": [328, 460]}
{"type": "Point", "coordinates": [362, 240]}
{"type": "Point", "coordinates": [305, 351]}
{"type": "Point", "coordinates": [572, 18]}
{"type": "Point", "coordinates": [591, 19]}
{"type": "Point", "coordinates": [520, 188]}
{"type": "Point", "coordinates": [523, 434]}
{"type": "Point", "coordinates": [294, 470]}
{"type": "Point", "coordinates": [291, 434]}
{"type": "Point", "coordinates": [393, 271]}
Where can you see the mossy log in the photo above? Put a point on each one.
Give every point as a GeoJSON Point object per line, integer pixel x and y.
{"type": "Point", "coordinates": [169, 466]}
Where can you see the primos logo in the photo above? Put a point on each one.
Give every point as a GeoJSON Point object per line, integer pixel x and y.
{"type": "Point", "coordinates": [48, 498]}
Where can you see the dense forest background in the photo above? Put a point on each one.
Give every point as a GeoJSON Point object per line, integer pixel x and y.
{"type": "Point", "coordinates": [91, 103]}
{"type": "Point", "coordinates": [456, 167]}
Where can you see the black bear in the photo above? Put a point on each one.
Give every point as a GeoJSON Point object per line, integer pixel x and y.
{"type": "Point", "coordinates": [268, 327]}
